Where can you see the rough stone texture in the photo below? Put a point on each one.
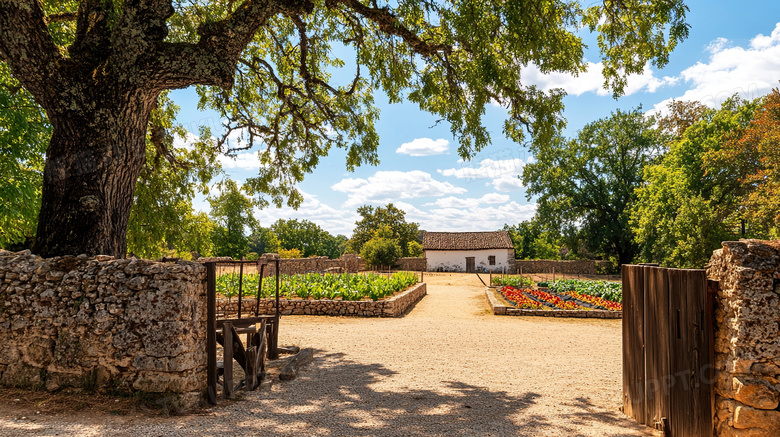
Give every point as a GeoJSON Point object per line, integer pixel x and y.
{"type": "Point", "coordinates": [747, 341]}
{"type": "Point", "coordinates": [100, 322]}
{"type": "Point", "coordinates": [413, 264]}
{"type": "Point", "coordinates": [500, 309]}
{"type": "Point", "coordinates": [392, 307]}
{"type": "Point", "coordinates": [348, 263]}
{"type": "Point", "coordinates": [575, 267]}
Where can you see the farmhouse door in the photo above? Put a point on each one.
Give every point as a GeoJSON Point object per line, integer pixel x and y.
{"type": "Point", "coordinates": [469, 264]}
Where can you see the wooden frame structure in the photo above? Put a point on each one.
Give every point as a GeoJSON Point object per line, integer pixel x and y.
{"type": "Point", "coordinates": [262, 334]}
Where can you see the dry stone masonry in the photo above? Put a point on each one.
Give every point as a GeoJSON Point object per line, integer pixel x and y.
{"type": "Point", "coordinates": [747, 338]}
{"type": "Point", "coordinates": [394, 306]}
{"type": "Point", "coordinates": [100, 323]}
{"type": "Point", "coordinates": [573, 267]}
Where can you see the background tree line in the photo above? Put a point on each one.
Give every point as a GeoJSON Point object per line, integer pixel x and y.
{"type": "Point", "coordinates": [668, 189]}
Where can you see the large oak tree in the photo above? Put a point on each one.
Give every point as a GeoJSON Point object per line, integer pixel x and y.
{"type": "Point", "coordinates": [96, 67]}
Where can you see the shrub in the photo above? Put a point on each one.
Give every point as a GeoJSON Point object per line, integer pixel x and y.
{"type": "Point", "coordinates": [381, 252]}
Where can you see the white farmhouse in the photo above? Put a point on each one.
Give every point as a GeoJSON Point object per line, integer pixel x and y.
{"type": "Point", "coordinates": [468, 251]}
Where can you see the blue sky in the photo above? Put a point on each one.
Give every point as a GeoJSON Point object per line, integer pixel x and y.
{"type": "Point", "coordinates": [733, 47]}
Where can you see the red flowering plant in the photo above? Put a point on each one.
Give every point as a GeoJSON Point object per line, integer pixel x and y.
{"type": "Point", "coordinates": [555, 300]}
{"type": "Point", "coordinates": [520, 300]}
{"type": "Point", "coordinates": [595, 300]}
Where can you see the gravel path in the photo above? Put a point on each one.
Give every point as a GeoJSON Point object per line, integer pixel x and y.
{"type": "Point", "coordinates": [448, 368]}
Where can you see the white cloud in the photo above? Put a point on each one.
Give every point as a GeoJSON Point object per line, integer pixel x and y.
{"type": "Point", "coordinates": [184, 142]}
{"type": "Point", "coordinates": [749, 71]}
{"type": "Point", "coordinates": [592, 80]}
{"type": "Point", "coordinates": [333, 220]}
{"type": "Point", "coordinates": [470, 202]}
{"type": "Point", "coordinates": [244, 160]}
{"type": "Point", "coordinates": [424, 147]}
{"type": "Point", "coordinates": [502, 172]}
{"type": "Point", "coordinates": [455, 219]}
{"type": "Point", "coordinates": [390, 186]}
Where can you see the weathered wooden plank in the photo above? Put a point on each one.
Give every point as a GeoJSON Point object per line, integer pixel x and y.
{"type": "Point", "coordinates": [633, 342]}
{"type": "Point", "coordinates": [227, 374]}
{"type": "Point", "coordinates": [251, 368]}
{"type": "Point", "coordinates": [708, 353]}
{"type": "Point", "coordinates": [681, 307]}
{"type": "Point", "coordinates": [701, 413]}
{"type": "Point", "coordinates": [261, 347]}
{"type": "Point", "coordinates": [656, 335]}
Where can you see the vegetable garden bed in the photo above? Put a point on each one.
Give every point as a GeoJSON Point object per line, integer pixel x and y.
{"type": "Point", "coordinates": [573, 298]}
{"type": "Point", "coordinates": [370, 295]}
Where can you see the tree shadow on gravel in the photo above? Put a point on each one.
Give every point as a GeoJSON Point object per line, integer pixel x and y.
{"type": "Point", "coordinates": [337, 397]}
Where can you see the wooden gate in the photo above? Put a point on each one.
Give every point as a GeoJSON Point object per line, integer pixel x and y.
{"type": "Point", "coordinates": [668, 349]}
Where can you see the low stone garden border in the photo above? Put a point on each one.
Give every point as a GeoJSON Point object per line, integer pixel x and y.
{"type": "Point", "coordinates": [500, 309]}
{"type": "Point", "coordinates": [395, 306]}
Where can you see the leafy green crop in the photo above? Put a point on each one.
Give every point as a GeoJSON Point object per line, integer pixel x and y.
{"type": "Point", "coordinates": [607, 290]}
{"type": "Point", "coordinates": [316, 286]}
{"type": "Point", "coordinates": [513, 281]}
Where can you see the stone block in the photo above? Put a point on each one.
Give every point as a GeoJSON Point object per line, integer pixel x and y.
{"type": "Point", "coordinates": [747, 417]}
{"type": "Point", "coordinates": [754, 393]}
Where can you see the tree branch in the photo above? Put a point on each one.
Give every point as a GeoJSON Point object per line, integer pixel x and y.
{"type": "Point", "coordinates": [213, 59]}
{"type": "Point", "coordinates": [61, 17]}
{"type": "Point", "coordinates": [391, 25]}
{"type": "Point", "coordinates": [27, 47]}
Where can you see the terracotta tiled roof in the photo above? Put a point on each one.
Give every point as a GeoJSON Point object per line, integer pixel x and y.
{"type": "Point", "coordinates": [466, 240]}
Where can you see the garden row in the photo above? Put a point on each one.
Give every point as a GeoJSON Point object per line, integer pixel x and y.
{"type": "Point", "coordinates": [575, 298]}
{"type": "Point", "coordinates": [349, 287]}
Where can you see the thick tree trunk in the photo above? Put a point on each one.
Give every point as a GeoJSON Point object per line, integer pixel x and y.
{"type": "Point", "coordinates": [92, 164]}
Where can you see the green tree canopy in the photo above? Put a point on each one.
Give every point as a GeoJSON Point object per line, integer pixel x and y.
{"type": "Point", "coordinates": [414, 248]}
{"type": "Point", "coordinates": [24, 135]}
{"type": "Point", "coordinates": [266, 66]}
{"type": "Point", "coordinates": [162, 220]}
{"type": "Point", "coordinates": [587, 183]}
{"type": "Point", "coordinates": [375, 218]}
{"type": "Point", "coordinates": [687, 207]}
{"type": "Point", "coordinates": [307, 237]}
{"type": "Point", "coordinates": [263, 240]}
{"type": "Point", "coordinates": [232, 212]}
{"type": "Point", "coordinates": [382, 249]}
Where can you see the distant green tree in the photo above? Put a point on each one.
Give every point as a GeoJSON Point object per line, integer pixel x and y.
{"type": "Point", "coordinates": [24, 136]}
{"type": "Point", "coordinates": [232, 211]}
{"type": "Point", "coordinates": [587, 183]}
{"type": "Point", "coordinates": [382, 249]}
{"type": "Point", "coordinates": [686, 207]}
{"type": "Point", "coordinates": [162, 217]}
{"type": "Point", "coordinates": [414, 248]}
{"type": "Point", "coordinates": [372, 219]}
{"type": "Point", "coordinates": [307, 237]}
{"type": "Point", "coordinates": [263, 240]}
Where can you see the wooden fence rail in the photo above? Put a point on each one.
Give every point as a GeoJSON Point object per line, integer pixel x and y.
{"type": "Point", "coordinates": [668, 349]}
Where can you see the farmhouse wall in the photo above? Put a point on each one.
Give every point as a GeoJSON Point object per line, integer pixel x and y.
{"type": "Point", "coordinates": [391, 307]}
{"type": "Point", "coordinates": [99, 322]}
{"type": "Point", "coordinates": [455, 260]}
{"type": "Point", "coordinates": [747, 338]}
{"type": "Point", "coordinates": [574, 267]}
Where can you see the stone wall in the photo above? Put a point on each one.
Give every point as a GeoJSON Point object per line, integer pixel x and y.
{"type": "Point", "coordinates": [348, 263]}
{"type": "Point", "coordinates": [575, 267]}
{"type": "Point", "coordinates": [393, 307]}
{"type": "Point", "coordinates": [99, 322]}
{"type": "Point", "coordinates": [415, 264]}
{"type": "Point", "coordinates": [747, 338]}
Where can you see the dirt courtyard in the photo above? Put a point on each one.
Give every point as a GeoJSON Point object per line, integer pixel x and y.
{"type": "Point", "coordinates": [447, 368]}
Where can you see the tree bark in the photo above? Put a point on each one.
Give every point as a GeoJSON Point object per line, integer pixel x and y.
{"type": "Point", "coordinates": [93, 162]}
